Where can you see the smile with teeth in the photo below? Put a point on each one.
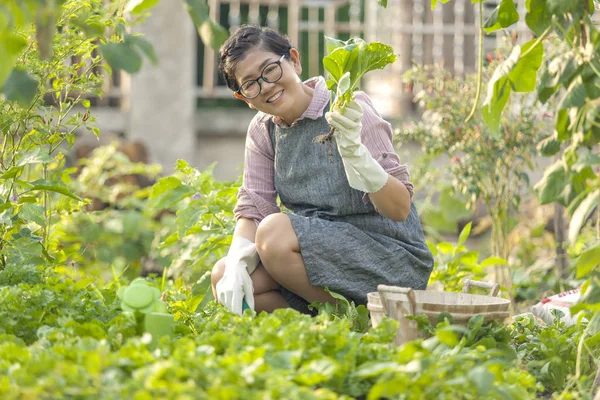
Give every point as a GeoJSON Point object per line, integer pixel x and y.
{"type": "Point", "coordinates": [275, 97]}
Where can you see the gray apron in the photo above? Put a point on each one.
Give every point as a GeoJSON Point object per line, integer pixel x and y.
{"type": "Point", "coordinates": [345, 244]}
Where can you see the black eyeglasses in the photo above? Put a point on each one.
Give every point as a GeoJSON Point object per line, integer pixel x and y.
{"type": "Point", "coordinates": [271, 73]}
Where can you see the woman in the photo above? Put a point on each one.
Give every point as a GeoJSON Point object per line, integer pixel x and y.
{"type": "Point", "coordinates": [350, 223]}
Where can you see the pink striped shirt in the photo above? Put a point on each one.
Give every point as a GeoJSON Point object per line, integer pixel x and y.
{"type": "Point", "coordinates": [257, 196]}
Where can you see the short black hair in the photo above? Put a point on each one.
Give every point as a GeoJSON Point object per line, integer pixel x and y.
{"type": "Point", "coordinates": [247, 38]}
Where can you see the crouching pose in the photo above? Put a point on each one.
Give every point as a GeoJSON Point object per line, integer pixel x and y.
{"type": "Point", "coordinates": [349, 222]}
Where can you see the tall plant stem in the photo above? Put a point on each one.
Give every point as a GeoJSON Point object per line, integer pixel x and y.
{"type": "Point", "coordinates": [46, 208]}
{"type": "Point", "coordinates": [559, 234]}
{"type": "Point", "coordinates": [479, 65]}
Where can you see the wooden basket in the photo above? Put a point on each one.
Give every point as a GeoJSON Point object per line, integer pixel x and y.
{"type": "Point", "coordinates": [398, 302]}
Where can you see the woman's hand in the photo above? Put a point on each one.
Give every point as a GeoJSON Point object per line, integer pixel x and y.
{"type": "Point", "coordinates": [363, 172]}
{"type": "Point", "coordinates": [236, 284]}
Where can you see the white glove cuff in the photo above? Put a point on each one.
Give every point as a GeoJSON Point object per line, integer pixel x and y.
{"type": "Point", "coordinates": [244, 251]}
{"type": "Point", "coordinates": [363, 172]}
{"type": "Point", "coordinates": [367, 176]}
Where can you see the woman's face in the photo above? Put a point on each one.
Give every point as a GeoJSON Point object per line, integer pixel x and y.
{"type": "Point", "coordinates": [276, 98]}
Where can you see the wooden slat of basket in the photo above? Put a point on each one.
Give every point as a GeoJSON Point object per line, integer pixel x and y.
{"type": "Point", "coordinates": [463, 318]}
{"type": "Point", "coordinates": [464, 309]}
{"type": "Point", "coordinates": [459, 302]}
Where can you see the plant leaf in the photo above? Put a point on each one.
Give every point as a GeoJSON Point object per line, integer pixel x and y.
{"type": "Point", "coordinates": [343, 85]}
{"type": "Point", "coordinates": [561, 6]}
{"type": "Point", "coordinates": [341, 60]}
{"type": "Point", "coordinates": [549, 146]}
{"type": "Point", "coordinates": [576, 95]}
{"type": "Point", "coordinates": [139, 6]}
{"type": "Point", "coordinates": [523, 76]}
{"type": "Point", "coordinates": [20, 87]}
{"type": "Point", "coordinates": [11, 46]}
{"type": "Point", "coordinates": [374, 55]}
{"type": "Point", "coordinates": [464, 235]}
{"type": "Point", "coordinates": [198, 10]}
{"type": "Point", "coordinates": [187, 218]}
{"type": "Point", "coordinates": [34, 156]}
{"type": "Point", "coordinates": [538, 17]}
{"type": "Point", "coordinates": [503, 16]}
{"type": "Point", "coordinates": [588, 260]}
{"type": "Point", "coordinates": [555, 185]}
{"type": "Point", "coordinates": [493, 261]}
{"type": "Point", "coordinates": [144, 46]}
{"type": "Point", "coordinates": [54, 186]}
{"type": "Point", "coordinates": [482, 378]}
{"type": "Point", "coordinates": [499, 91]}
{"type": "Point", "coordinates": [33, 212]}
{"type": "Point", "coordinates": [582, 213]}
{"type": "Point", "coordinates": [122, 56]}
{"type": "Point", "coordinates": [213, 34]}
{"type": "Point", "coordinates": [168, 191]}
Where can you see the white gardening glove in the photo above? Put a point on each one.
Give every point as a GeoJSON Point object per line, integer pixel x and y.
{"type": "Point", "coordinates": [363, 172]}
{"type": "Point", "coordinates": [236, 285]}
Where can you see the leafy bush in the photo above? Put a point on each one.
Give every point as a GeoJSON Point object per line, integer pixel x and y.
{"type": "Point", "coordinates": [484, 166]}
{"type": "Point", "coordinates": [453, 264]}
{"type": "Point", "coordinates": [280, 355]}
{"type": "Point", "coordinates": [550, 352]}
{"type": "Point", "coordinates": [47, 98]}
{"type": "Point", "coordinates": [204, 220]}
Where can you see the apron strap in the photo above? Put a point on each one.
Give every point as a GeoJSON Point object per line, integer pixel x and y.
{"type": "Point", "coordinates": [272, 127]}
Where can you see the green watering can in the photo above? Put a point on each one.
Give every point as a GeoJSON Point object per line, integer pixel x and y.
{"type": "Point", "coordinates": [140, 297]}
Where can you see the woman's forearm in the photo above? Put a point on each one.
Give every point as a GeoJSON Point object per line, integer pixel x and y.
{"type": "Point", "coordinates": [392, 200]}
{"type": "Point", "coordinates": [245, 228]}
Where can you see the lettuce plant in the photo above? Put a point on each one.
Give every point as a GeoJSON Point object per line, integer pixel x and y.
{"type": "Point", "coordinates": [346, 64]}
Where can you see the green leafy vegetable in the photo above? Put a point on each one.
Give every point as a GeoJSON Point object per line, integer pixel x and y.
{"type": "Point", "coordinates": [347, 63]}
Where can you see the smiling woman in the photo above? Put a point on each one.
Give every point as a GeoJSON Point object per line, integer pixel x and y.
{"type": "Point", "coordinates": [350, 225]}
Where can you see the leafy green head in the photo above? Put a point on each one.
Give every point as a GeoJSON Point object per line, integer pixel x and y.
{"type": "Point", "coordinates": [348, 61]}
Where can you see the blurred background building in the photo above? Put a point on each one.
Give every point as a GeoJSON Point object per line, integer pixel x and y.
{"type": "Point", "coordinates": [182, 109]}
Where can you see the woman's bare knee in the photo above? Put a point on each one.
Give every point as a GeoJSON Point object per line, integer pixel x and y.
{"type": "Point", "coordinates": [275, 234]}
{"type": "Point", "coordinates": [217, 272]}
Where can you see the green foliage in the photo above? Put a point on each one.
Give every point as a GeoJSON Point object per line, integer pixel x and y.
{"type": "Point", "coordinates": [127, 55]}
{"type": "Point", "coordinates": [588, 260]}
{"type": "Point", "coordinates": [442, 208]}
{"type": "Point", "coordinates": [117, 234]}
{"type": "Point", "coordinates": [183, 222]}
{"type": "Point", "coordinates": [280, 355]}
{"type": "Point", "coordinates": [46, 100]}
{"type": "Point", "coordinates": [572, 78]}
{"type": "Point", "coordinates": [70, 338]}
{"type": "Point", "coordinates": [211, 33]}
{"type": "Point", "coordinates": [484, 168]}
{"type": "Point", "coordinates": [348, 61]}
{"type": "Point", "coordinates": [453, 264]}
{"type": "Point", "coordinates": [503, 16]}
{"type": "Point", "coordinates": [94, 20]}
{"type": "Point", "coordinates": [518, 72]}
{"type": "Point", "coordinates": [357, 315]}
{"type": "Point", "coordinates": [27, 308]}
{"type": "Point", "coordinates": [550, 352]}
{"type": "Point", "coordinates": [471, 362]}
{"type": "Point", "coordinates": [204, 220]}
